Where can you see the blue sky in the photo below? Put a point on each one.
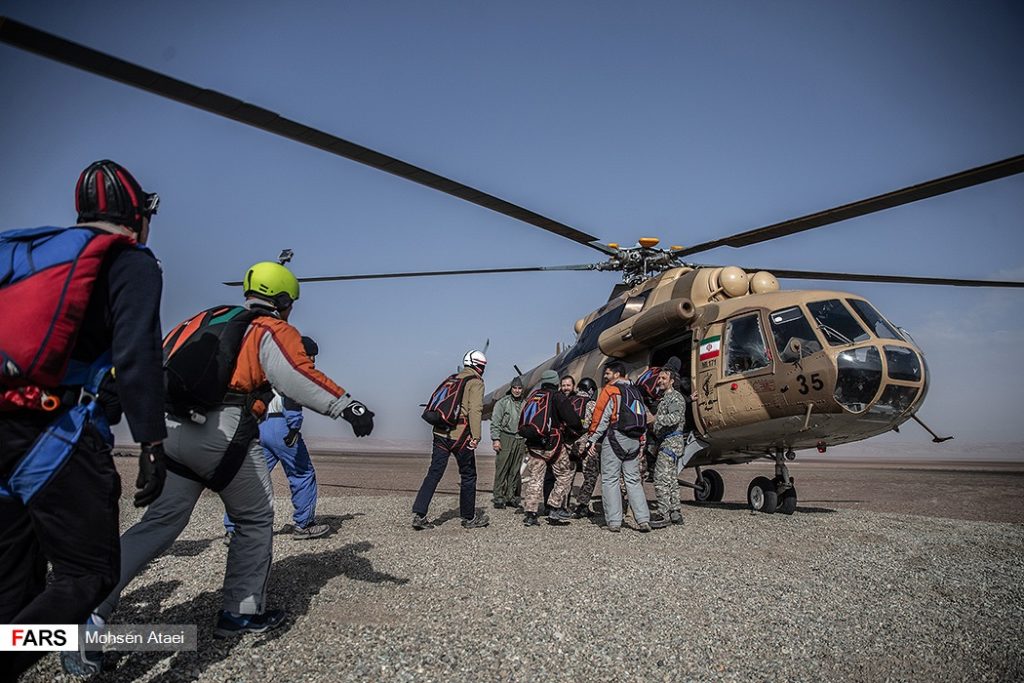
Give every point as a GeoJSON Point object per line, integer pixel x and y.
{"type": "Point", "coordinates": [686, 121]}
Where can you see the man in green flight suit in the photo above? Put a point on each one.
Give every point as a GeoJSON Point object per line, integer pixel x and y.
{"type": "Point", "coordinates": [509, 447]}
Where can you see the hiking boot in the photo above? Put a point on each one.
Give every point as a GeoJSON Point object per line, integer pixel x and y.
{"type": "Point", "coordinates": [530, 519]}
{"type": "Point", "coordinates": [560, 515]}
{"type": "Point", "coordinates": [478, 522]}
{"type": "Point", "coordinates": [515, 502]}
{"type": "Point", "coordinates": [229, 625]}
{"type": "Point", "coordinates": [675, 517]}
{"type": "Point", "coordinates": [228, 535]}
{"type": "Point", "coordinates": [644, 528]}
{"type": "Point", "coordinates": [311, 531]}
{"type": "Point", "coordinates": [614, 529]}
{"type": "Point", "coordinates": [658, 522]}
{"type": "Point", "coordinates": [499, 505]}
{"type": "Point", "coordinates": [582, 511]}
{"type": "Point", "coordinates": [419, 522]}
{"type": "Point", "coordinates": [82, 663]}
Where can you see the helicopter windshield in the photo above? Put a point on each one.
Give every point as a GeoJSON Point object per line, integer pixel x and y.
{"type": "Point", "coordinates": [789, 324]}
{"type": "Point", "coordinates": [836, 322]}
{"type": "Point", "coordinates": [745, 347]}
{"type": "Point", "coordinates": [873, 319]}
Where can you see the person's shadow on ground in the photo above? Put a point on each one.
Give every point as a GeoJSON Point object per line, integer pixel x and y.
{"type": "Point", "coordinates": [294, 582]}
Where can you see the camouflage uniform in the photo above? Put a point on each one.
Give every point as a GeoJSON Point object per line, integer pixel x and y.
{"type": "Point", "coordinates": [591, 463]}
{"type": "Point", "coordinates": [533, 477]}
{"type": "Point", "coordinates": [669, 426]}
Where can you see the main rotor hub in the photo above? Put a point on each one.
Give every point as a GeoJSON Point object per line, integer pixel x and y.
{"type": "Point", "coordinates": [642, 261]}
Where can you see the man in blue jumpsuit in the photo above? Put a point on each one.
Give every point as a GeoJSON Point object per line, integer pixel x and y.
{"type": "Point", "coordinates": [281, 438]}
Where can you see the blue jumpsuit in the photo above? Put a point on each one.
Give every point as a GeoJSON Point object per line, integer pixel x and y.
{"type": "Point", "coordinates": [284, 415]}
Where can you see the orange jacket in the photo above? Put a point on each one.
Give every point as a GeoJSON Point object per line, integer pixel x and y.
{"type": "Point", "coordinates": [609, 391]}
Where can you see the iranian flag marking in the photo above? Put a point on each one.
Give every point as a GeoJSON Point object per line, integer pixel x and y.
{"type": "Point", "coordinates": [710, 347]}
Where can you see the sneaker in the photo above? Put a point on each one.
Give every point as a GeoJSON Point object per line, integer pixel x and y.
{"type": "Point", "coordinates": [658, 522]}
{"type": "Point", "coordinates": [228, 535]}
{"type": "Point", "coordinates": [499, 505]}
{"type": "Point", "coordinates": [229, 625]}
{"type": "Point", "coordinates": [82, 663]}
{"type": "Point", "coordinates": [311, 531]}
{"type": "Point", "coordinates": [478, 522]}
{"type": "Point", "coordinates": [530, 519]}
{"type": "Point", "coordinates": [515, 502]}
{"type": "Point", "coordinates": [560, 515]}
{"type": "Point", "coordinates": [614, 529]}
{"type": "Point", "coordinates": [419, 522]}
{"type": "Point", "coordinates": [675, 517]}
{"type": "Point", "coordinates": [644, 528]}
{"type": "Point", "coordinates": [582, 511]}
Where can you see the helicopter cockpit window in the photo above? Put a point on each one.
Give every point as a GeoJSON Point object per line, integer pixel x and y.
{"type": "Point", "coordinates": [789, 324]}
{"type": "Point", "coordinates": [745, 346]}
{"type": "Point", "coordinates": [873, 319]}
{"type": "Point", "coordinates": [836, 323]}
{"type": "Point", "coordinates": [590, 334]}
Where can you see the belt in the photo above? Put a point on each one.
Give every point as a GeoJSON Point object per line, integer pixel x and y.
{"type": "Point", "coordinates": [269, 415]}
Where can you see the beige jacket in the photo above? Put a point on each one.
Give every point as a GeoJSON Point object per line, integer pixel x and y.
{"type": "Point", "coordinates": [472, 408]}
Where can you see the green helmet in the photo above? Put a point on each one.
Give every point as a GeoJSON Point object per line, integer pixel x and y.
{"type": "Point", "coordinates": [272, 282]}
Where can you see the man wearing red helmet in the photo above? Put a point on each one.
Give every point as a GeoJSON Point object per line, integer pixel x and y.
{"type": "Point", "coordinates": [84, 299]}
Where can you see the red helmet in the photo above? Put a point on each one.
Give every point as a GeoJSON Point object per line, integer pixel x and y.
{"type": "Point", "coordinates": [106, 191]}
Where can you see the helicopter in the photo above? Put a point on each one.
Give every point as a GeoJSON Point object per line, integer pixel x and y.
{"type": "Point", "coordinates": [774, 371]}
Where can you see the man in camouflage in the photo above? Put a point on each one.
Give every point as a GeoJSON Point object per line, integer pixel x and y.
{"type": "Point", "coordinates": [581, 451]}
{"type": "Point", "coordinates": [568, 425]}
{"type": "Point", "coordinates": [509, 447]}
{"type": "Point", "coordinates": [670, 425]}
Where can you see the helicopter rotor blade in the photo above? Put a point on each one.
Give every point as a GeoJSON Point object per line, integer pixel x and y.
{"type": "Point", "coordinates": [906, 195]}
{"type": "Point", "coordinates": [434, 273]}
{"type": "Point", "coordinates": [53, 47]}
{"type": "Point", "coordinates": [898, 279]}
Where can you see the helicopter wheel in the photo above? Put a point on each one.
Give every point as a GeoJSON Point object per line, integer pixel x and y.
{"type": "Point", "coordinates": [761, 495]}
{"type": "Point", "coordinates": [787, 502]}
{"type": "Point", "coordinates": [710, 488]}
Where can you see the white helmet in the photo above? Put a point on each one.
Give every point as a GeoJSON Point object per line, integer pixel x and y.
{"type": "Point", "coordinates": [475, 360]}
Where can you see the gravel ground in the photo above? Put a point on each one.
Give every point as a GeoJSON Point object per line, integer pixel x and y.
{"type": "Point", "coordinates": [822, 595]}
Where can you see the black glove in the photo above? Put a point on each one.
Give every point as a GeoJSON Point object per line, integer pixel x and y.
{"type": "Point", "coordinates": [152, 472]}
{"type": "Point", "coordinates": [360, 417]}
{"type": "Point", "coordinates": [292, 437]}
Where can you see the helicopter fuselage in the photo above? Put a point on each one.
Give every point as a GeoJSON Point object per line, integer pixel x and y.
{"type": "Point", "coordinates": [771, 370]}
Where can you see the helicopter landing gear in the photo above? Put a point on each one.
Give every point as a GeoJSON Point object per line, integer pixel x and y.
{"type": "Point", "coordinates": [778, 494]}
{"type": "Point", "coordinates": [709, 487]}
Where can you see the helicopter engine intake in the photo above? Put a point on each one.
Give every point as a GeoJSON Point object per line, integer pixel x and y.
{"type": "Point", "coordinates": [658, 324]}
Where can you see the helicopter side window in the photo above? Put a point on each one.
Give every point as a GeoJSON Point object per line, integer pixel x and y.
{"type": "Point", "coordinates": [789, 324]}
{"type": "Point", "coordinates": [590, 334]}
{"type": "Point", "coordinates": [745, 347]}
{"type": "Point", "coordinates": [873, 319]}
{"type": "Point", "coordinates": [836, 322]}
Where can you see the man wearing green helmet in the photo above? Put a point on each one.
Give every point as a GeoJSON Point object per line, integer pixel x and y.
{"type": "Point", "coordinates": [214, 443]}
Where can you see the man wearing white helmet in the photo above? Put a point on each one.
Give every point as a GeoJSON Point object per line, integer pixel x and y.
{"type": "Point", "coordinates": [460, 441]}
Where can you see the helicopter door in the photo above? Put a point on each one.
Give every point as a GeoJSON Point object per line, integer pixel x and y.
{"type": "Point", "coordinates": [736, 384]}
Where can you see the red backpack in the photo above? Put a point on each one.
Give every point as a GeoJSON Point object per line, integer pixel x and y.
{"type": "Point", "coordinates": [537, 420]}
{"type": "Point", "coordinates": [46, 279]}
{"type": "Point", "coordinates": [443, 410]}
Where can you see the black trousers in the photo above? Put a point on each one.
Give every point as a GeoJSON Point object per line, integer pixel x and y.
{"type": "Point", "coordinates": [72, 523]}
{"type": "Point", "coordinates": [466, 458]}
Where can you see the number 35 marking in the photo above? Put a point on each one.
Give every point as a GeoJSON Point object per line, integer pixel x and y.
{"type": "Point", "coordinates": [816, 383]}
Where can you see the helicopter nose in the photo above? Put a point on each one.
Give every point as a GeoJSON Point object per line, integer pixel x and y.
{"type": "Point", "coordinates": [882, 381]}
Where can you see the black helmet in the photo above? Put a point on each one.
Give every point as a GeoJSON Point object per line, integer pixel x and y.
{"type": "Point", "coordinates": [310, 347]}
{"type": "Point", "coordinates": [106, 191]}
{"type": "Point", "coordinates": [587, 385]}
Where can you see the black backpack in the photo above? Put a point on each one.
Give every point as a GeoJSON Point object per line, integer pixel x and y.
{"type": "Point", "coordinates": [200, 355]}
{"type": "Point", "coordinates": [648, 383]}
{"type": "Point", "coordinates": [444, 407]}
{"type": "Point", "coordinates": [632, 417]}
{"type": "Point", "coordinates": [579, 405]}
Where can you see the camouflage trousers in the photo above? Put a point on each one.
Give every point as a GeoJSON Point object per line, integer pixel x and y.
{"type": "Point", "coordinates": [666, 484]}
{"type": "Point", "coordinates": [533, 478]}
{"type": "Point", "coordinates": [592, 472]}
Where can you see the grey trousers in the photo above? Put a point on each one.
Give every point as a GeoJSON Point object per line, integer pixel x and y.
{"type": "Point", "coordinates": [611, 468]}
{"type": "Point", "coordinates": [248, 500]}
